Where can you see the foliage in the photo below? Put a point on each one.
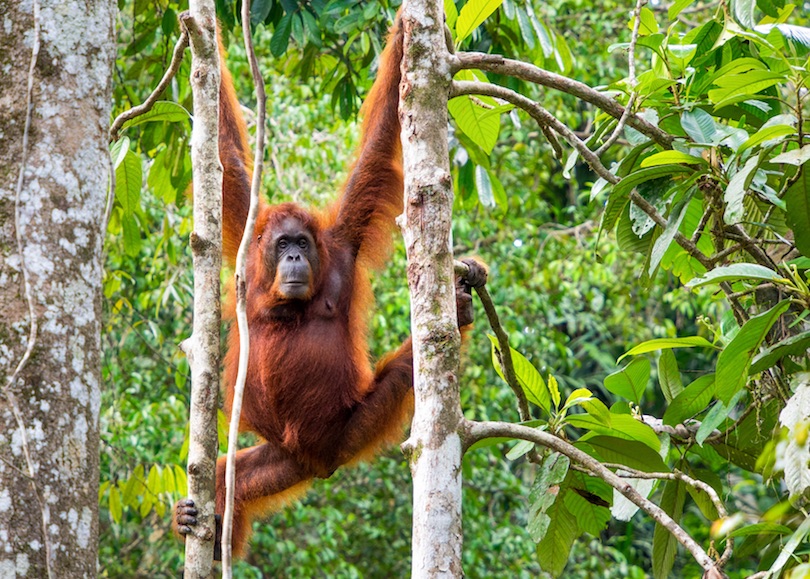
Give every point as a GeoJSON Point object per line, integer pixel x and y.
{"type": "Point", "coordinates": [715, 342]}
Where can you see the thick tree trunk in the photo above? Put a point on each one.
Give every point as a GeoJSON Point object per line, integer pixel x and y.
{"type": "Point", "coordinates": [57, 62]}
{"type": "Point", "coordinates": [435, 441]}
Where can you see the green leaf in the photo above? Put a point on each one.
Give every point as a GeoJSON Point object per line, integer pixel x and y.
{"type": "Point", "coordinates": [699, 125]}
{"type": "Point", "coordinates": [691, 401]}
{"type": "Point", "coordinates": [154, 482]}
{"type": "Point", "coordinates": [527, 375]}
{"type": "Point", "coordinates": [128, 182]}
{"type": "Point", "coordinates": [259, 9]}
{"type": "Point", "coordinates": [735, 359]}
{"type": "Point", "coordinates": [744, 12]}
{"type": "Point", "coordinates": [451, 13]}
{"type": "Point", "coordinates": [591, 518]}
{"type": "Point", "coordinates": [474, 121]}
{"type": "Point", "coordinates": [666, 344]}
{"type": "Point", "coordinates": [797, 199]}
{"type": "Point", "coordinates": [554, 549]}
{"type": "Point", "coordinates": [677, 7]}
{"type": "Point", "coordinates": [715, 417]}
{"type": "Point", "coordinates": [797, 345]}
{"type": "Point", "coordinates": [648, 24]}
{"type": "Point", "coordinates": [484, 187]}
{"type": "Point", "coordinates": [623, 426]}
{"type": "Point", "coordinates": [772, 133]}
{"type": "Point", "coordinates": [281, 36]}
{"type": "Point", "coordinates": [761, 529]}
{"type": "Point", "coordinates": [736, 272]}
{"type": "Point", "coordinates": [118, 151]}
{"type": "Point", "coordinates": [116, 510]}
{"type": "Point", "coordinates": [554, 390]}
{"type": "Point", "coordinates": [163, 111]}
{"type": "Point", "coordinates": [131, 235]}
{"type": "Point", "coordinates": [742, 85]}
{"type": "Point", "coordinates": [791, 545]}
{"type": "Point", "coordinates": [551, 473]}
{"type": "Point", "coordinates": [472, 15]}
{"type": "Point", "coordinates": [631, 381]}
{"type": "Point", "coordinates": [735, 192]}
{"type": "Point", "coordinates": [795, 157]}
{"type": "Point", "coordinates": [669, 377]}
{"type": "Point", "coordinates": [665, 545]}
{"type": "Point", "coordinates": [631, 453]}
{"type": "Point", "coordinates": [634, 179]}
{"type": "Point", "coordinates": [134, 486]}
{"type": "Point", "coordinates": [664, 240]}
{"type": "Point", "coordinates": [671, 158]}
{"type": "Point", "coordinates": [180, 480]}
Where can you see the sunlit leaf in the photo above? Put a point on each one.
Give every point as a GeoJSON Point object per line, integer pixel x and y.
{"type": "Point", "coordinates": [472, 14]}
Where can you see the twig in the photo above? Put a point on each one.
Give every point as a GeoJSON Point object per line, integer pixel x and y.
{"type": "Point", "coordinates": [29, 297]}
{"type": "Point", "coordinates": [241, 296]}
{"type": "Point", "coordinates": [721, 255]}
{"type": "Point", "coordinates": [475, 431]}
{"type": "Point", "coordinates": [177, 59]}
{"type": "Point", "coordinates": [528, 72]}
{"type": "Point", "coordinates": [631, 81]}
{"type": "Point", "coordinates": [539, 114]}
{"type": "Point", "coordinates": [503, 344]}
{"type": "Point", "coordinates": [677, 475]}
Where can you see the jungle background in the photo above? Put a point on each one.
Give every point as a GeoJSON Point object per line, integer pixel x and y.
{"type": "Point", "coordinates": [572, 295]}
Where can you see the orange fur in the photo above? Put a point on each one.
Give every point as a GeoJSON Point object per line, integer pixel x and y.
{"type": "Point", "coordinates": [311, 393]}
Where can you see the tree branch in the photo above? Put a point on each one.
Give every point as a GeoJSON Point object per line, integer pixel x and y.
{"type": "Point", "coordinates": [528, 72]}
{"type": "Point", "coordinates": [503, 343]}
{"type": "Point", "coordinates": [475, 431]}
{"type": "Point", "coordinates": [146, 106]}
{"type": "Point", "coordinates": [538, 113]}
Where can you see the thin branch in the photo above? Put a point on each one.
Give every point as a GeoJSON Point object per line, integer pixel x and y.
{"type": "Point", "coordinates": [677, 475]}
{"type": "Point", "coordinates": [241, 296]}
{"type": "Point", "coordinates": [503, 344]}
{"type": "Point", "coordinates": [528, 72]}
{"type": "Point", "coordinates": [177, 59]}
{"type": "Point", "coordinates": [631, 81]}
{"type": "Point", "coordinates": [539, 114]}
{"type": "Point", "coordinates": [475, 431]}
{"type": "Point", "coordinates": [29, 296]}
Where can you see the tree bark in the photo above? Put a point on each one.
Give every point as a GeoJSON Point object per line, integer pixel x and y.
{"type": "Point", "coordinates": [55, 102]}
{"type": "Point", "coordinates": [435, 445]}
{"type": "Point", "coordinates": [202, 348]}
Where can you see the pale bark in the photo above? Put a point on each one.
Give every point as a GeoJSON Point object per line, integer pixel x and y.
{"type": "Point", "coordinates": [56, 59]}
{"type": "Point", "coordinates": [202, 348]}
{"type": "Point", "coordinates": [434, 445]}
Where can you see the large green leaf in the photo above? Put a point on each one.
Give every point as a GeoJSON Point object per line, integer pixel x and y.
{"type": "Point", "coordinates": [736, 272]}
{"type": "Point", "coordinates": [527, 375]}
{"type": "Point", "coordinates": [744, 12]}
{"type": "Point", "coordinates": [554, 549]}
{"type": "Point", "coordinates": [670, 158]}
{"type": "Point", "coordinates": [631, 453]}
{"type": "Point", "coordinates": [544, 492]}
{"type": "Point", "coordinates": [167, 111]}
{"type": "Point", "coordinates": [591, 517]}
{"type": "Point", "coordinates": [669, 377]}
{"type": "Point", "coordinates": [667, 344]}
{"type": "Point", "coordinates": [773, 133]}
{"type": "Point", "coordinates": [743, 85]}
{"type": "Point", "coordinates": [735, 359]}
{"type": "Point", "coordinates": [128, 182]}
{"type": "Point", "coordinates": [634, 179]}
{"type": "Point", "coordinates": [691, 401]}
{"type": "Point", "coordinates": [798, 212]}
{"type": "Point", "coordinates": [281, 36]}
{"type": "Point", "coordinates": [630, 381]}
{"type": "Point", "coordinates": [472, 15]}
{"type": "Point", "coordinates": [475, 122]}
{"type": "Point", "coordinates": [797, 345]}
{"type": "Point", "coordinates": [699, 125]}
{"type": "Point", "coordinates": [623, 426]}
{"type": "Point", "coordinates": [665, 545]}
{"type": "Point", "coordinates": [734, 194]}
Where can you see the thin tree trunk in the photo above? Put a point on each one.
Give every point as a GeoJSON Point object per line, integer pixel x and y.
{"type": "Point", "coordinates": [435, 444]}
{"type": "Point", "coordinates": [54, 178]}
{"type": "Point", "coordinates": [202, 348]}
